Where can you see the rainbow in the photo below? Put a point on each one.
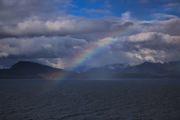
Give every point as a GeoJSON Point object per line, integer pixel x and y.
{"type": "Point", "coordinates": [89, 53]}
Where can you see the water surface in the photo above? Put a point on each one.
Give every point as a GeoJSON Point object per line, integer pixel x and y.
{"type": "Point", "coordinates": [149, 99]}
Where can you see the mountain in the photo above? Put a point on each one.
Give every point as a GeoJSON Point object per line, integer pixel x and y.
{"type": "Point", "coordinates": [31, 70]}
{"type": "Point", "coordinates": [144, 70]}
{"type": "Point", "coordinates": [104, 72]}
{"type": "Point", "coordinates": [157, 70]}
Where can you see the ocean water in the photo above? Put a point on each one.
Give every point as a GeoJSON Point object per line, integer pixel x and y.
{"type": "Point", "coordinates": [148, 99]}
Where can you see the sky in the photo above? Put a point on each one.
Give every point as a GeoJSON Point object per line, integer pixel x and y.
{"type": "Point", "coordinates": [71, 33]}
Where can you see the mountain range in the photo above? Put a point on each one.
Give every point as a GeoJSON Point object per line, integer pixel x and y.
{"type": "Point", "coordinates": [31, 70]}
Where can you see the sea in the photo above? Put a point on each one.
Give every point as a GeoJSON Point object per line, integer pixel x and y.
{"type": "Point", "coordinates": [123, 99]}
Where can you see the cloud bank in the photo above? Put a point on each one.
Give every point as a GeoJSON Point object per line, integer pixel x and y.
{"type": "Point", "coordinates": [26, 33]}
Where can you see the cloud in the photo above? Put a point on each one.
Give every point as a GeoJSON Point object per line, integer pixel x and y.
{"type": "Point", "coordinates": [15, 10]}
{"type": "Point", "coordinates": [54, 62]}
{"type": "Point", "coordinates": [154, 47]}
{"type": "Point", "coordinates": [45, 31]}
{"type": "Point", "coordinates": [167, 26]}
{"type": "Point", "coordinates": [40, 47]}
{"type": "Point", "coordinates": [149, 55]}
{"type": "Point", "coordinates": [126, 16]}
{"type": "Point", "coordinates": [156, 37]}
{"type": "Point", "coordinates": [97, 11]}
{"type": "Point", "coordinates": [61, 26]}
{"type": "Point", "coordinates": [172, 5]}
{"type": "Point", "coordinates": [57, 41]}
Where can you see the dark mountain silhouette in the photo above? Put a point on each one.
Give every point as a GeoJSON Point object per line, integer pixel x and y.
{"type": "Point", "coordinates": [147, 69]}
{"type": "Point", "coordinates": [144, 70]}
{"type": "Point", "coordinates": [30, 70]}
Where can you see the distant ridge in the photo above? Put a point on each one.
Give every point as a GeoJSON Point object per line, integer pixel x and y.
{"type": "Point", "coordinates": [31, 70]}
{"type": "Point", "coordinates": [30, 65]}
{"type": "Point", "coordinates": [144, 70]}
